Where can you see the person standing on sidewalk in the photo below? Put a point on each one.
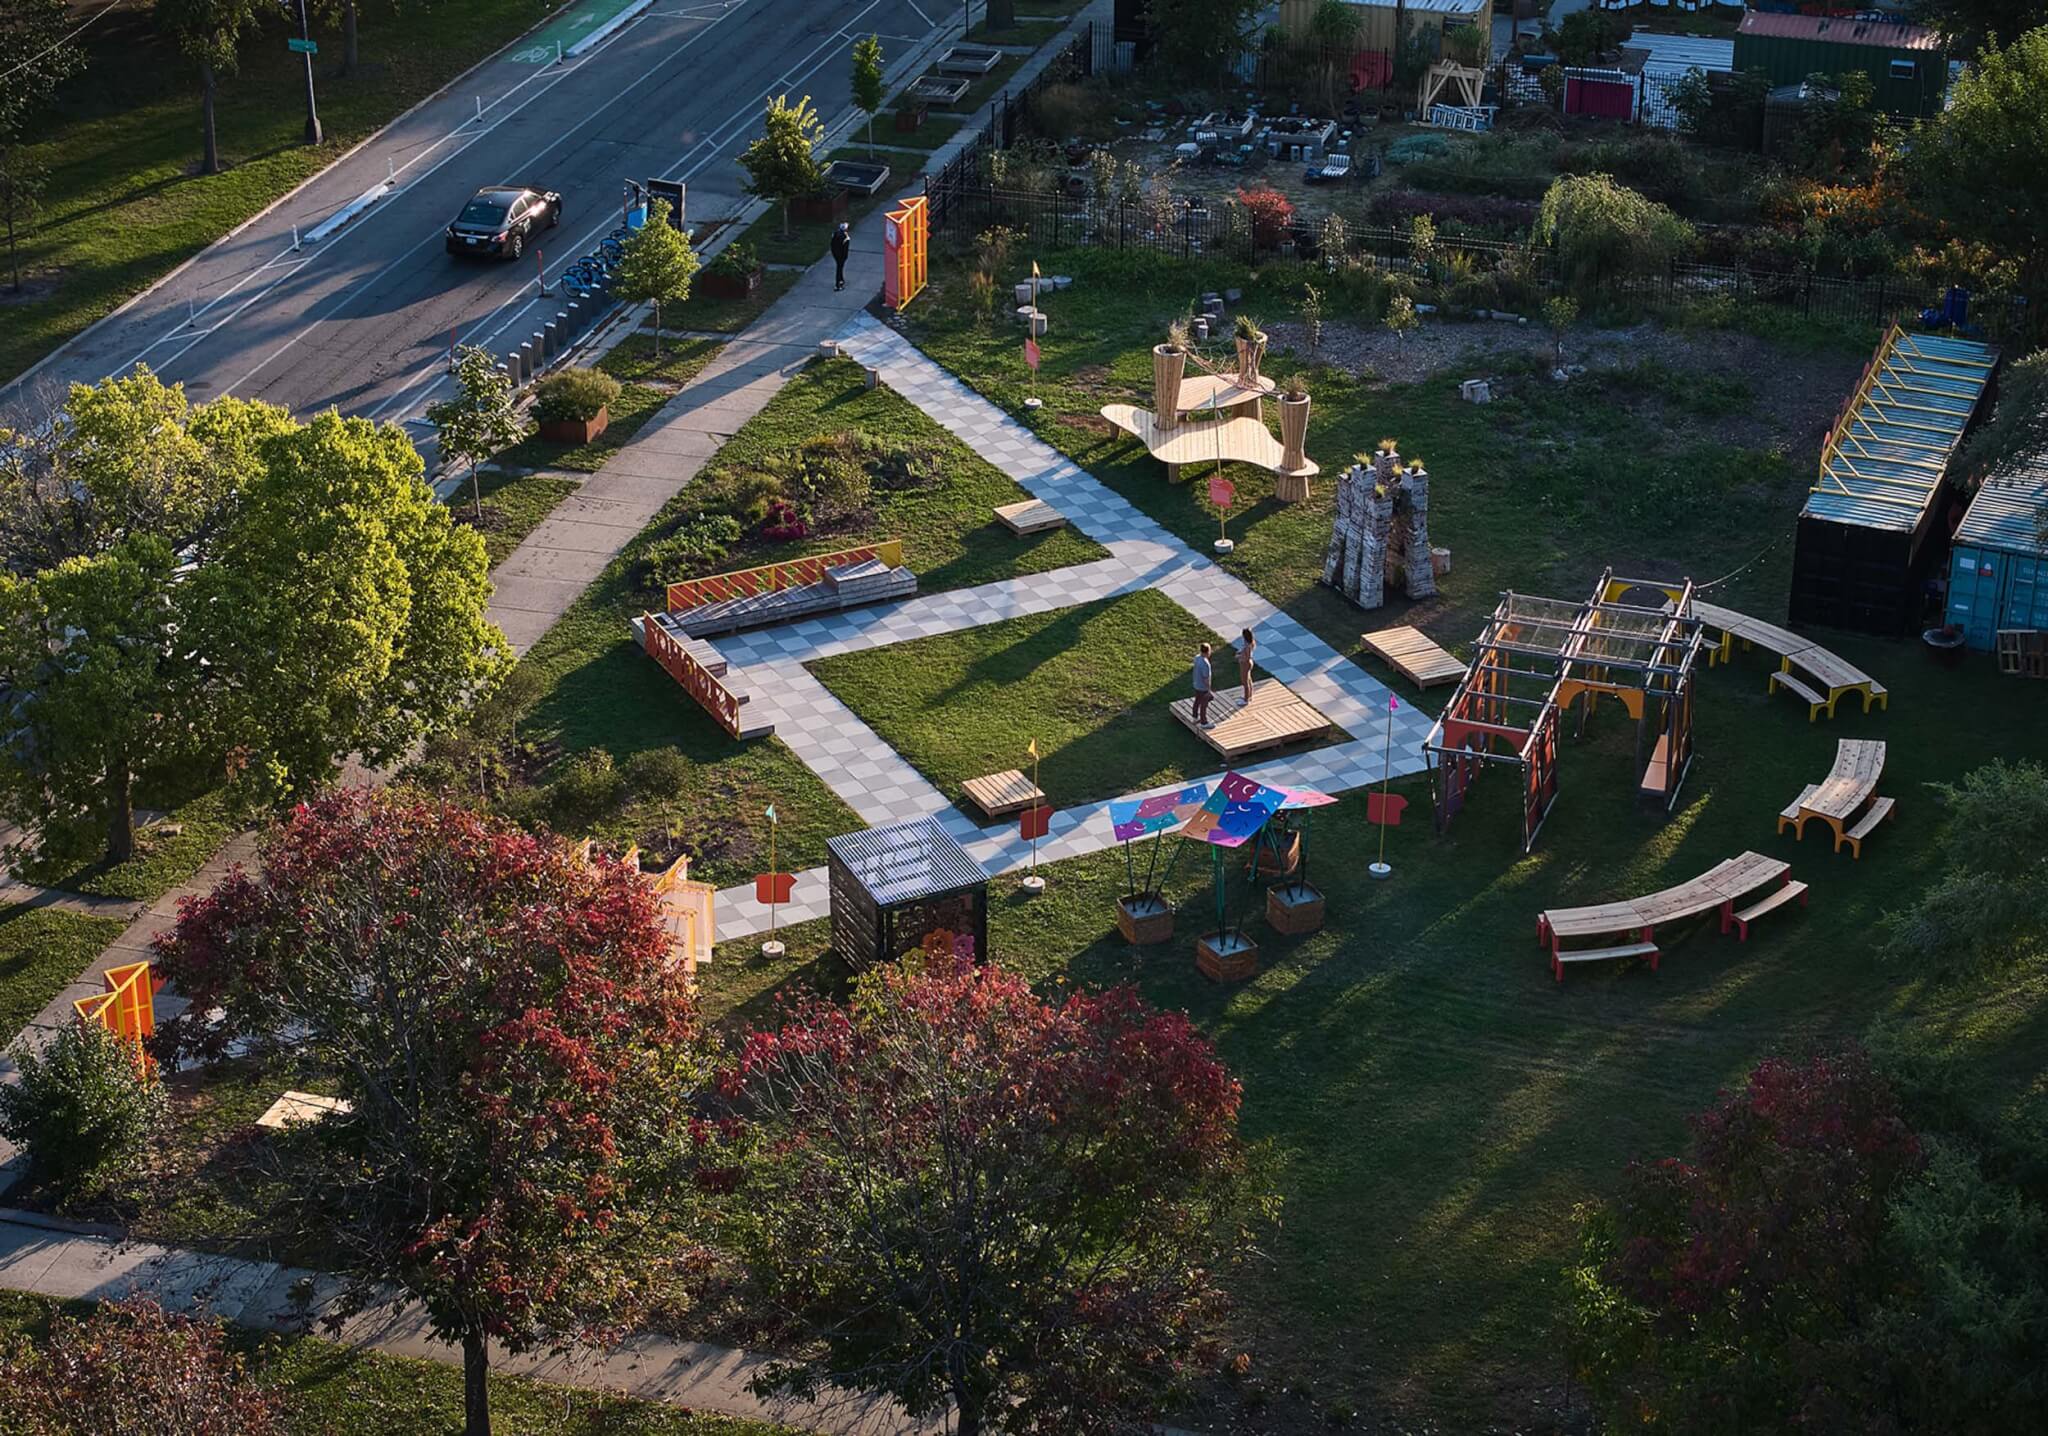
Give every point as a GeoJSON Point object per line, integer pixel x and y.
{"type": "Point", "coordinates": [1244, 664]}
{"type": "Point", "coordinates": [842, 245]}
{"type": "Point", "coordinates": [1202, 693]}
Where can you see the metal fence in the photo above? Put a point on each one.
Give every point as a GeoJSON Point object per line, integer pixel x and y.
{"type": "Point", "coordinates": [1009, 117]}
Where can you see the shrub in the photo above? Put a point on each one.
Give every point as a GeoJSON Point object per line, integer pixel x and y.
{"type": "Point", "coordinates": [1493, 214]}
{"type": "Point", "coordinates": [81, 1109]}
{"type": "Point", "coordinates": [784, 523]}
{"type": "Point", "coordinates": [1410, 148]}
{"type": "Point", "coordinates": [738, 260]}
{"type": "Point", "coordinates": [130, 1366]}
{"type": "Point", "coordinates": [1986, 909]}
{"type": "Point", "coordinates": [1271, 212]}
{"type": "Point", "coordinates": [587, 789]}
{"type": "Point", "coordinates": [829, 475]}
{"type": "Point", "coordinates": [1603, 230]}
{"type": "Point", "coordinates": [1586, 35]}
{"type": "Point", "coordinates": [697, 547]}
{"type": "Point", "coordinates": [657, 773]}
{"type": "Point", "coordinates": [573, 396]}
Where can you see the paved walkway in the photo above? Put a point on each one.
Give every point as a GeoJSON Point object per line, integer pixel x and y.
{"type": "Point", "coordinates": [58, 1261]}
{"type": "Point", "coordinates": [881, 787]}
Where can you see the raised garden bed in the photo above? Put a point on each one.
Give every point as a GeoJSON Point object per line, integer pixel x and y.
{"type": "Point", "coordinates": [969, 60]}
{"type": "Point", "coordinates": [939, 90]}
{"type": "Point", "coordinates": [865, 177]}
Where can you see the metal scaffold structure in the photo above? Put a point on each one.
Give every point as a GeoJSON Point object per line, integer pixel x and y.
{"type": "Point", "coordinates": [1536, 658]}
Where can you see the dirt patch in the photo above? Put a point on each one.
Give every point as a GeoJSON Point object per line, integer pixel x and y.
{"type": "Point", "coordinates": [1434, 347]}
{"type": "Point", "coordinates": [1092, 374]}
{"type": "Point", "coordinates": [1089, 424]}
{"type": "Point", "coordinates": [35, 284]}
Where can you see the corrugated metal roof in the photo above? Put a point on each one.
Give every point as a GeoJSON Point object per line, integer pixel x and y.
{"type": "Point", "coordinates": [907, 862]}
{"type": "Point", "coordinates": [2005, 515]}
{"type": "Point", "coordinates": [1883, 462]}
{"type": "Point", "coordinates": [1884, 34]}
{"type": "Point", "coordinates": [1686, 52]}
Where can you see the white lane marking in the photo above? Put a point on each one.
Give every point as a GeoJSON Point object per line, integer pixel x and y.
{"type": "Point", "coordinates": [534, 158]}
{"type": "Point", "coordinates": [920, 14]}
{"type": "Point", "coordinates": [711, 140]}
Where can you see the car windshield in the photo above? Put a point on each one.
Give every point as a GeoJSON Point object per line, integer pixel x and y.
{"type": "Point", "coordinates": [482, 211]}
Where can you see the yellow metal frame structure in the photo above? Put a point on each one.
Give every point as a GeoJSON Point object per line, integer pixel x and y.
{"type": "Point", "coordinates": [905, 238]}
{"type": "Point", "coordinates": [127, 1008]}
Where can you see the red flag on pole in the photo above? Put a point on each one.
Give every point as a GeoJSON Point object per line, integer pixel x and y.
{"type": "Point", "coordinates": [1031, 354]}
{"type": "Point", "coordinates": [773, 887]}
{"type": "Point", "coordinates": [1384, 808]}
{"type": "Point", "coordinates": [1034, 823]}
{"type": "Point", "coordinates": [1222, 492]}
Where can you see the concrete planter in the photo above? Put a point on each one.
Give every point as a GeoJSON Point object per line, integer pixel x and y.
{"type": "Point", "coordinates": [1144, 919]}
{"type": "Point", "coordinates": [1227, 957]}
{"type": "Point", "coordinates": [1295, 909]}
{"type": "Point", "coordinates": [1167, 368]}
{"type": "Point", "coordinates": [575, 431]}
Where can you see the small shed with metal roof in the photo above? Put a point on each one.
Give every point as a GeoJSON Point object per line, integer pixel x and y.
{"type": "Point", "coordinates": [1866, 539]}
{"type": "Point", "coordinates": [891, 887]}
{"type": "Point", "coordinates": [1998, 559]}
{"type": "Point", "coordinates": [1906, 63]}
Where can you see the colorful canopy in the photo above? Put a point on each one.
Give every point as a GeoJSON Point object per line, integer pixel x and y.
{"type": "Point", "coordinates": [1137, 817]}
{"type": "Point", "coordinates": [1235, 812]}
{"type": "Point", "coordinates": [1305, 798]}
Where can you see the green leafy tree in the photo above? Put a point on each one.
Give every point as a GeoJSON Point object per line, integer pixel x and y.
{"type": "Point", "coordinates": [21, 195]}
{"type": "Point", "coordinates": [1560, 313]}
{"type": "Point", "coordinates": [1200, 37]}
{"type": "Point", "coordinates": [517, 1045]}
{"type": "Point", "coordinates": [1985, 908]}
{"type": "Point", "coordinates": [1603, 230]}
{"type": "Point", "coordinates": [1333, 31]}
{"type": "Point", "coordinates": [81, 1110]}
{"type": "Point", "coordinates": [783, 163]}
{"type": "Point", "coordinates": [1970, 25]}
{"type": "Point", "coordinates": [481, 419]}
{"type": "Point", "coordinates": [36, 56]}
{"type": "Point", "coordinates": [657, 266]}
{"type": "Point", "coordinates": [1982, 164]}
{"type": "Point", "coordinates": [209, 34]}
{"type": "Point", "coordinates": [867, 81]}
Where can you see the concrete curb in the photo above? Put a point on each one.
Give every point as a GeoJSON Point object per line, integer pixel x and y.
{"type": "Point", "coordinates": [608, 29]}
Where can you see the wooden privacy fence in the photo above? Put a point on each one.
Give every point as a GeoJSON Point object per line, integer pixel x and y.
{"type": "Point", "coordinates": [769, 578]}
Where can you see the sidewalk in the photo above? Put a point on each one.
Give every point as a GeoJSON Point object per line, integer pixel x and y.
{"type": "Point", "coordinates": [53, 1260]}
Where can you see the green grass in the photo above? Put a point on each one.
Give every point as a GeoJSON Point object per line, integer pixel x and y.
{"type": "Point", "coordinates": [42, 951]}
{"type": "Point", "coordinates": [514, 506]}
{"type": "Point", "coordinates": [1091, 684]}
{"type": "Point", "coordinates": [331, 1387]}
{"type": "Point", "coordinates": [707, 315]}
{"type": "Point", "coordinates": [162, 860]}
{"type": "Point", "coordinates": [648, 384]}
{"type": "Point", "coordinates": [125, 202]}
{"type": "Point", "coordinates": [806, 241]}
{"type": "Point", "coordinates": [1024, 32]}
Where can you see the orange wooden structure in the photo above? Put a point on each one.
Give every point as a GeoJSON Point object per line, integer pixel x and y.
{"type": "Point", "coordinates": [127, 1008]}
{"type": "Point", "coordinates": [747, 582]}
{"type": "Point", "coordinates": [699, 682]}
{"type": "Point", "coordinates": [905, 230]}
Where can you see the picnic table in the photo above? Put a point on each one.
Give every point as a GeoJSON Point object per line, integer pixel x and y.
{"type": "Point", "coordinates": [1629, 927]}
{"type": "Point", "coordinates": [1831, 675]}
{"type": "Point", "coordinates": [1846, 800]}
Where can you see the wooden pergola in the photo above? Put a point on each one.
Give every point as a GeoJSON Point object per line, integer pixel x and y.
{"type": "Point", "coordinates": [1536, 658]}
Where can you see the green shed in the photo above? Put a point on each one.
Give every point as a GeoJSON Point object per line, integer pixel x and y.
{"type": "Point", "coordinates": [1905, 62]}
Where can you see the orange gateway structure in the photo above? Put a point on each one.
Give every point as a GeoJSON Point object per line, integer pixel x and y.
{"type": "Point", "coordinates": [1537, 657]}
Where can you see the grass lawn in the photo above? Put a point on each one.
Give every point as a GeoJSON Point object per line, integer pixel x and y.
{"type": "Point", "coordinates": [125, 202]}
{"type": "Point", "coordinates": [42, 951]}
{"type": "Point", "coordinates": [1091, 684]}
{"type": "Point", "coordinates": [704, 314]}
{"type": "Point", "coordinates": [330, 1387]}
{"type": "Point", "coordinates": [514, 506]}
{"type": "Point", "coordinates": [806, 241]}
{"type": "Point", "coordinates": [163, 859]}
{"type": "Point", "coordinates": [648, 384]}
{"type": "Point", "coordinates": [1025, 32]}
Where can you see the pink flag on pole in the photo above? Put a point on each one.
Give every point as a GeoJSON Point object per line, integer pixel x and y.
{"type": "Point", "coordinates": [1222, 492]}
{"type": "Point", "coordinates": [1031, 354]}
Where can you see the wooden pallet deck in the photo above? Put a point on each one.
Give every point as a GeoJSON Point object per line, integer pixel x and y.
{"type": "Point", "coordinates": [1030, 517]}
{"type": "Point", "coordinates": [1273, 719]}
{"type": "Point", "coordinates": [1413, 656]}
{"type": "Point", "coordinates": [1000, 794]}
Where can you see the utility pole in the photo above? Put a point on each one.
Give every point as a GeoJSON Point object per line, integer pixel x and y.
{"type": "Point", "coordinates": [312, 109]}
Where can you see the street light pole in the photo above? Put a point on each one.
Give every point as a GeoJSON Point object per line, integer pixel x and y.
{"type": "Point", "coordinates": [312, 109]}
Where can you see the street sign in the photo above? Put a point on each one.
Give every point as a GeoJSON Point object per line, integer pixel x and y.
{"type": "Point", "coordinates": [304, 47]}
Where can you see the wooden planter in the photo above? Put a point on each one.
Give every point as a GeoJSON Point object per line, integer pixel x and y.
{"type": "Point", "coordinates": [1292, 488]}
{"type": "Point", "coordinates": [575, 431]}
{"type": "Point", "coordinates": [1294, 909]}
{"type": "Point", "coordinates": [724, 284]}
{"type": "Point", "coordinates": [909, 117]}
{"type": "Point", "coordinates": [1144, 919]}
{"type": "Point", "coordinates": [1167, 368]}
{"type": "Point", "coordinates": [819, 208]}
{"type": "Point", "coordinates": [1249, 354]}
{"type": "Point", "coordinates": [1279, 865]}
{"type": "Point", "coordinates": [1227, 957]}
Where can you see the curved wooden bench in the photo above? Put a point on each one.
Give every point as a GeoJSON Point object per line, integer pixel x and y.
{"type": "Point", "coordinates": [1876, 813]}
{"type": "Point", "coordinates": [1635, 920]}
{"type": "Point", "coordinates": [1832, 676]}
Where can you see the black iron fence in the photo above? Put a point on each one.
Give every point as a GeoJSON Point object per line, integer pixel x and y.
{"type": "Point", "coordinates": [1009, 119]}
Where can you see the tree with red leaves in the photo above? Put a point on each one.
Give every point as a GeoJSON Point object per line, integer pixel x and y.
{"type": "Point", "coordinates": [131, 1367]}
{"type": "Point", "coordinates": [966, 1196]}
{"type": "Point", "coordinates": [517, 1047]}
{"type": "Point", "coordinates": [1717, 1292]}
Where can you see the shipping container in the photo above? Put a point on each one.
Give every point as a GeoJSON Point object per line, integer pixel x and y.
{"type": "Point", "coordinates": [1907, 65]}
{"type": "Point", "coordinates": [1998, 565]}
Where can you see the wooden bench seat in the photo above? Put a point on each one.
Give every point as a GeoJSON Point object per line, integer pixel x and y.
{"type": "Point", "coordinates": [1657, 775]}
{"type": "Point", "coordinates": [1877, 812]}
{"type": "Point", "coordinates": [1602, 954]}
{"type": "Point", "coordinates": [1790, 812]}
{"type": "Point", "coordinates": [1777, 898]}
{"type": "Point", "coordinates": [1814, 701]}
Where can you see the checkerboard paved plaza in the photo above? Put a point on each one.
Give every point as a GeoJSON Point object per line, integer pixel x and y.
{"type": "Point", "coordinates": [881, 787]}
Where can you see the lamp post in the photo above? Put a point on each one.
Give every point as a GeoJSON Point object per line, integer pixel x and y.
{"type": "Point", "coordinates": [312, 110]}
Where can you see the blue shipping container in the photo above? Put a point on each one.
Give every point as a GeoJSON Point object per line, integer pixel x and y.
{"type": "Point", "coordinates": [1989, 590]}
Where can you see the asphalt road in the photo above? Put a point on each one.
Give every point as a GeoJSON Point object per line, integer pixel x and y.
{"type": "Point", "coordinates": [362, 320]}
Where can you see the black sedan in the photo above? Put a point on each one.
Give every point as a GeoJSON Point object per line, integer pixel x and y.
{"type": "Point", "coordinates": [500, 219]}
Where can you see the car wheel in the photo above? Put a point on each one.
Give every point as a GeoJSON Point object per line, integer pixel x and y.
{"type": "Point", "coordinates": [517, 246]}
{"type": "Point", "coordinates": [554, 216]}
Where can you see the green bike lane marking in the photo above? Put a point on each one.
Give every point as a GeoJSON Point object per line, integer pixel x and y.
{"type": "Point", "coordinates": [565, 30]}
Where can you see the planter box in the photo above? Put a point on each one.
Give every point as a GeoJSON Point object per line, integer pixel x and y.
{"type": "Point", "coordinates": [816, 208]}
{"type": "Point", "coordinates": [1227, 957]}
{"type": "Point", "coordinates": [724, 284]}
{"type": "Point", "coordinates": [1295, 909]}
{"type": "Point", "coordinates": [1144, 919]}
{"type": "Point", "coordinates": [1279, 865]}
{"type": "Point", "coordinates": [575, 431]}
{"type": "Point", "coordinates": [908, 118]}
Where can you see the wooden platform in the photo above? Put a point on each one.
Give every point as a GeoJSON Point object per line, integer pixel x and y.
{"type": "Point", "coordinates": [1030, 517]}
{"type": "Point", "coordinates": [1273, 719]}
{"type": "Point", "coordinates": [1241, 440]}
{"type": "Point", "coordinates": [1002, 793]}
{"type": "Point", "coordinates": [1222, 393]}
{"type": "Point", "coordinates": [1413, 656]}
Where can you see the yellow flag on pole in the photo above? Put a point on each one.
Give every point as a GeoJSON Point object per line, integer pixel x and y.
{"type": "Point", "coordinates": [1032, 748]}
